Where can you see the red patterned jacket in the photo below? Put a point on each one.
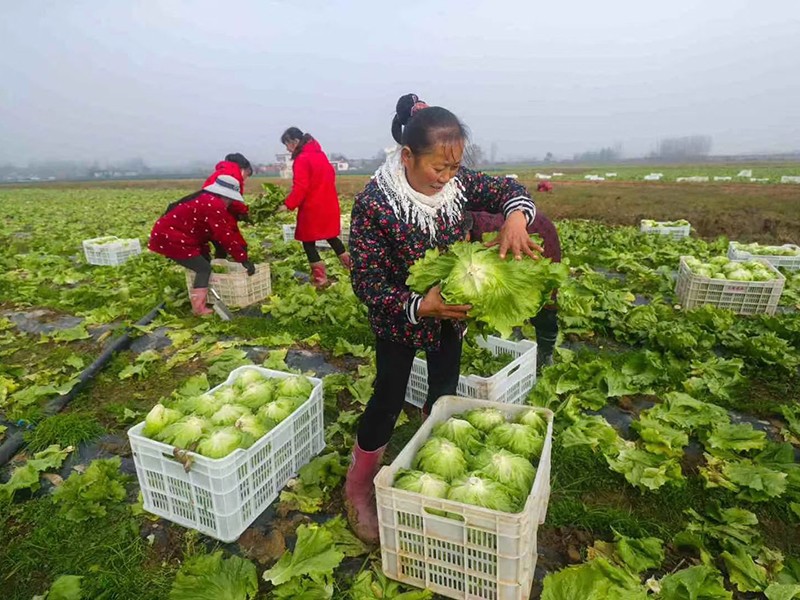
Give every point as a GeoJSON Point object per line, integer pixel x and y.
{"type": "Point", "coordinates": [186, 230]}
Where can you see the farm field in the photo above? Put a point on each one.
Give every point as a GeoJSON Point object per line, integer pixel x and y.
{"type": "Point", "coordinates": [676, 449]}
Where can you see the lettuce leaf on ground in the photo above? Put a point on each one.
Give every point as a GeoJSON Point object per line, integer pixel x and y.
{"type": "Point", "coordinates": [687, 413]}
{"type": "Point", "coordinates": [594, 580]}
{"type": "Point", "coordinates": [315, 554]}
{"type": "Point", "coordinates": [65, 587]}
{"type": "Point", "coordinates": [660, 438]}
{"type": "Point", "coordinates": [736, 438]}
{"type": "Point", "coordinates": [695, 583]}
{"type": "Point", "coordinates": [211, 577]}
{"type": "Point", "coordinates": [90, 494]}
{"type": "Point", "coordinates": [743, 571]}
{"type": "Point", "coordinates": [782, 591]}
{"type": "Point", "coordinates": [27, 475]}
{"type": "Point", "coordinates": [590, 430]}
{"type": "Point", "coordinates": [645, 470]}
{"type": "Point", "coordinates": [753, 482]}
{"type": "Point", "coordinates": [372, 585]}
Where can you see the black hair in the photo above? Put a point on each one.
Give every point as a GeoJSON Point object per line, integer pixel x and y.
{"type": "Point", "coordinates": [427, 128]}
{"type": "Point", "coordinates": [293, 133]}
{"type": "Point", "coordinates": [240, 160]}
{"type": "Point", "coordinates": [173, 205]}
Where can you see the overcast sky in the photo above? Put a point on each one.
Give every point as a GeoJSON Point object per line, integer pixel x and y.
{"type": "Point", "coordinates": [176, 81]}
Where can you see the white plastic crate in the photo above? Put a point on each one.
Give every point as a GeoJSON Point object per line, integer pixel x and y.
{"type": "Point", "coordinates": [742, 297]}
{"type": "Point", "coordinates": [787, 262]}
{"type": "Point", "coordinates": [110, 250]}
{"type": "Point", "coordinates": [288, 236]}
{"type": "Point", "coordinates": [679, 232]}
{"type": "Point", "coordinates": [482, 554]}
{"type": "Point", "coordinates": [236, 288]}
{"type": "Point", "coordinates": [511, 384]}
{"type": "Point", "coordinates": [222, 497]}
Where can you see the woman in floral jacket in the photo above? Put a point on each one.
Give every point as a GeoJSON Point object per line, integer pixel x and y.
{"type": "Point", "coordinates": [416, 201]}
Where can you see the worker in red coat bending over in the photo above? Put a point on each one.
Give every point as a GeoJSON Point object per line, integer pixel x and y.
{"type": "Point", "coordinates": [189, 224]}
{"type": "Point", "coordinates": [314, 196]}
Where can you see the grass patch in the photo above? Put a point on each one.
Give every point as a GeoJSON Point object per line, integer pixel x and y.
{"type": "Point", "coordinates": [37, 545]}
{"type": "Point", "coordinates": [600, 520]}
{"type": "Point", "coordinates": [64, 429]}
{"type": "Point", "coordinates": [106, 399]}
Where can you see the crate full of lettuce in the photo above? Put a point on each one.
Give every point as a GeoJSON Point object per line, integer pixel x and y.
{"type": "Point", "coordinates": [678, 229]}
{"type": "Point", "coordinates": [459, 508]}
{"type": "Point", "coordinates": [786, 256]}
{"type": "Point", "coordinates": [744, 287]}
{"type": "Point", "coordinates": [110, 250]}
{"type": "Point", "coordinates": [213, 462]}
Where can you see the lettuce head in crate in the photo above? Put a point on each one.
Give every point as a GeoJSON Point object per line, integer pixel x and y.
{"type": "Point", "coordinates": [721, 267]}
{"type": "Point", "coordinates": [479, 458]}
{"type": "Point", "coordinates": [214, 424]}
{"type": "Point", "coordinates": [503, 293]}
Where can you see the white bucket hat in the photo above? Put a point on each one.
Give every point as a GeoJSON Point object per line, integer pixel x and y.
{"type": "Point", "coordinates": [226, 186]}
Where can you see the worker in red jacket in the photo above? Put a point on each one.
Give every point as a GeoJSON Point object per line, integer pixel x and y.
{"type": "Point", "coordinates": [189, 224]}
{"type": "Point", "coordinates": [314, 196]}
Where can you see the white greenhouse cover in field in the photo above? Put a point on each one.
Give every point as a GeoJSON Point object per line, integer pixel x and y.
{"type": "Point", "coordinates": [745, 173]}
{"type": "Point", "coordinates": [790, 179]}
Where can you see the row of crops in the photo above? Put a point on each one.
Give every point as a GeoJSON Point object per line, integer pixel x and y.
{"type": "Point", "coordinates": [675, 469]}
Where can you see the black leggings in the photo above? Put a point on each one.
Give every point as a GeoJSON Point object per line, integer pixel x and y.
{"type": "Point", "coordinates": [393, 361]}
{"type": "Point", "coordinates": [546, 325]}
{"type": "Point", "coordinates": [313, 254]}
{"type": "Point", "coordinates": [201, 267]}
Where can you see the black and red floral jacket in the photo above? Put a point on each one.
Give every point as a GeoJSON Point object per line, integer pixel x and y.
{"type": "Point", "coordinates": [384, 247]}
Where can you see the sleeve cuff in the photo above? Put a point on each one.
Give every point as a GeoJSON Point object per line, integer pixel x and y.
{"type": "Point", "coordinates": [523, 204]}
{"type": "Point", "coordinates": [412, 307]}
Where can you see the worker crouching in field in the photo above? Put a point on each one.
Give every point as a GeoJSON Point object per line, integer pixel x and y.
{"type": "Point", "coordinates": [546, 322]}
{"type": "Point", "coordinates": [417, 201]}
{"type": "Point", "coordinates": [314, 196]}
{"type": "Point", "coordinates": [189, 224]}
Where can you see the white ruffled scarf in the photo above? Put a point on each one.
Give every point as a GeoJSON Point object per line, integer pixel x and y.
{"type": "Point", "coordinates": [412, 207]}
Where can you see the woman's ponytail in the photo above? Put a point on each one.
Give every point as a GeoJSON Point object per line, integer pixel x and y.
{"type": "Point", "coordinates": [419, 126]}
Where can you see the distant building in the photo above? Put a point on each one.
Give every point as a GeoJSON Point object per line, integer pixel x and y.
{"type": "Point", "coordinates": [285, 164]}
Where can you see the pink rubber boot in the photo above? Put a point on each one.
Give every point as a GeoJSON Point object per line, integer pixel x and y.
{"type": "Point", "coordinates": [319, 277]}
{"type": "Point", "coordinates": [198, 297]}
{"type": "Point", "coordinates": [346, 260]}
{"type": "Point", "coordinates": [359, 493]}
